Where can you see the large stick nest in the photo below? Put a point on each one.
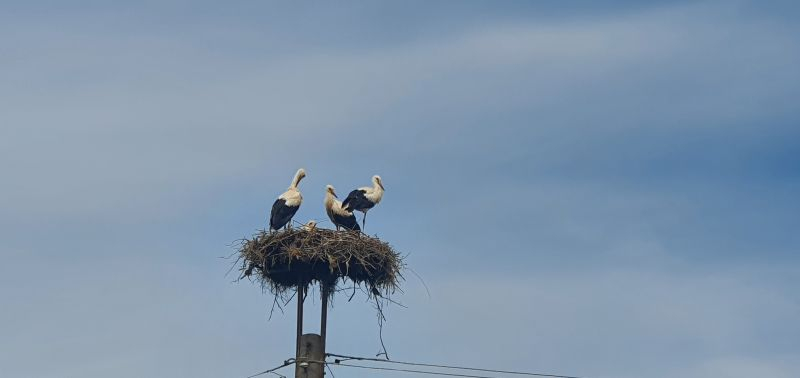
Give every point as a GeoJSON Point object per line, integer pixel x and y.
{"type": "Point", "coordinates": [284, 260]}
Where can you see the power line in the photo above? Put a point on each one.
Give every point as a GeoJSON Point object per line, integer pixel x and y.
{"type": "Point", "coordinates": [285, 363]}
{"type": "Point", "coordinates": [330, 370]}
{"type": "Point", "coordinates": [338, 362]}
{"type": "Point", "coordinates": [444, 366]}
{"type": "Point", "coordinates": [414, 371]}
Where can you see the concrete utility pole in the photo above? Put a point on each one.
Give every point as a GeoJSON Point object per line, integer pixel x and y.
{"type": "Point", "coordinates": [309, 362]}
{"type": "Point", "coordinates": [310, 357]}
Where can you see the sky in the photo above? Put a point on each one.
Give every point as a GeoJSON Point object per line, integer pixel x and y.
{"type": "Point", "coordinates": [602, 189]}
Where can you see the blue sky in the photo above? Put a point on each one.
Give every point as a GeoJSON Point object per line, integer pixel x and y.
{"type": "Point", "coordinates": [605, 189]}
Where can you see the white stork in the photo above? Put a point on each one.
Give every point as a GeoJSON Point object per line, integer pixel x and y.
{"type": "Point", "coordinates": [363, 199]}
{"type": "Point", "coordinates": [340, 217]}
{"type": "Point", "coordinates": [310, 226]}
{"type": "Point", "coordinates": [287, 204]}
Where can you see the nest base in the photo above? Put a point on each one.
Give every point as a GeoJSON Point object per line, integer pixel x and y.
{"type": "Point", "coordinates": [283, 260]}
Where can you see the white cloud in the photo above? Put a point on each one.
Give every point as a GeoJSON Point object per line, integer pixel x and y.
{"type": "Point", "coordinates": [146, 120]}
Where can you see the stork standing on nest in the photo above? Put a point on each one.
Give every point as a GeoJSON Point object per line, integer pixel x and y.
{"type": "Point", "coordinates": [287, 204]}
{"type": "Point", "coordinates": [363, 199]}
{"type": "Point", "coordinates": [340, 217]}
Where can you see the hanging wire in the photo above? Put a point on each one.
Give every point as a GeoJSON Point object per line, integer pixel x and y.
{"type": "Point", "coordinates": [327, 365]}
{"type": "Point", "coordinates": [346, 358]}
{"type": "Point", "coordinates": [415, 371]}
{"type": "Point", "coordinates": [285, 363]}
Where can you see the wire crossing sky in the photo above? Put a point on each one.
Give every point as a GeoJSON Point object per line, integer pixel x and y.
{"type": "Point", "coordinates": [604, 188]}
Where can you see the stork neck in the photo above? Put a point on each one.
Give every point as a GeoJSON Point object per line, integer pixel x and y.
{"type": "Point", "coordinates": [329, 198]}
{"type": "Point", "coordinates": [295, 181]}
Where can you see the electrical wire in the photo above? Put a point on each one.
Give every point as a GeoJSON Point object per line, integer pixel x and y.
{"type": "Point", "coordinates": [414, 371]}
{"type": "Point", "coordinates": [339, 362]}
{"type": "Point", "coordinates": [285, 363]}
{"type": "Point", "coordinates": [327, 365]}
{"type": "Point", "coordinates": [346, 357]}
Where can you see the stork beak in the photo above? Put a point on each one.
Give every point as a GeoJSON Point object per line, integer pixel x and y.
{"type": "Point", "coordinates": [381, 185]}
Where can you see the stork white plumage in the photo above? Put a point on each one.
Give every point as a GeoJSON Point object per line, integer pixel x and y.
{"type": "Point", "coordinates": [310, 225]}
{"type": "Point", "coordinates": [363, 199]}
{"type": "Point", "coordinates": [340, 217]}
{"type": "Point", "coordinates": [287, 204]}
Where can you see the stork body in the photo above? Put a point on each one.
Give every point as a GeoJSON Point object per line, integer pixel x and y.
{"type": "Point", "coordinates": [340, 217]}
{"type": "Point", "coordinates": [287, 204]}
{"type": "Point", "coordinates": [310, 226]}
{"type": "Point", "coordinates": [363, 199]}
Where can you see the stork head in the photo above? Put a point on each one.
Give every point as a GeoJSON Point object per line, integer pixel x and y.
{"type": "Point", "coordinates": [377, 181]}
{"type": "Point", "coordinates": [312, 224]}
{"type": "Point", "coordinates": [329, 189]}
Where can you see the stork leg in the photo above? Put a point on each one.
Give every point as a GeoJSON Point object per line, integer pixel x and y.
{"type": "Point", "coordinates": [364, 222]}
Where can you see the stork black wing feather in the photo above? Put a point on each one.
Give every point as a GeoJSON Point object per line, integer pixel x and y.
{"type": "Point", "coordinates": [281, 214]}
{"type": "Point", "coordinates": [356, 201]}
{"type": "Point", "coordinates": [347, 222]}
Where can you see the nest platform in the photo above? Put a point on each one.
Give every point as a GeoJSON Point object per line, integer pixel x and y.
{"type": "Point", "coordinates": [284, 260]}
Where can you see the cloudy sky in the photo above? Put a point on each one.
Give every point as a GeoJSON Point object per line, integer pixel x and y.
{"type": "Point", "coordinates": [596, 189]}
